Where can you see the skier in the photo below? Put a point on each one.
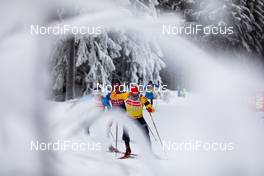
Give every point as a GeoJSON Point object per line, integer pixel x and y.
{"type": "Point", "coordinates": [134, 103]}
{"type": "Point", "coordinates": [102, 103]}
{"type": "Point", "coordinates": [106, 101]}
{"type": "Point", "coordinates": [117, 104]}
{"type": "Point", "coordinates": [150, 91]}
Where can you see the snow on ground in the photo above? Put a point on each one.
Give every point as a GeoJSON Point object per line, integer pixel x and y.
{"type": "Point", "coordinates": [177, 123]}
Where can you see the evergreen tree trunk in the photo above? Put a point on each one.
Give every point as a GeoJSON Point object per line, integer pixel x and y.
{"type": "Point", "coordinates": [70, 80]}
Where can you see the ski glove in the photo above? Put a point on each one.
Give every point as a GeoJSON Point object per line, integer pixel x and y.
{"type": "Point", "coordinates": [149, 110]}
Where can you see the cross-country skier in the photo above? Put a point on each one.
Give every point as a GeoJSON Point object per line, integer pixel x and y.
{"type": "Point", "coordinates": [102, 103]}
{"type": "Point", "coordinates": [117, 104]}
{"type": "Point", "coordinates": [150, 91]}
{"type": "Point", "coordinates": [134, 103]}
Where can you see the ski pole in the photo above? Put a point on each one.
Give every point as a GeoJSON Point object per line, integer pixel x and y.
{"type": "Point", "coordinates": [151, 132]}
{"type": "Point", "coordinates": [116, 136]}
{"type": "Point", "coordinates": [155, 128]}
{"type": "Point", "coordinates": [157, 133]}
{"type": "Point", "coordinates": [112, 135]}
{"type": "Point", "coordinates": [156, 103]}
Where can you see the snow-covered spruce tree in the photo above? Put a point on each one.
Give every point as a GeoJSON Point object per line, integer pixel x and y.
{"type": "Point", "coordinates": [58, 68]}
{"type": "Point", "coordinates": [247, 17]}
{"type": "Point", "coordinates": [147, 7]}
{"type": "Point", "coordinates": [121, 55]}
{"type": "Point", "coordinates": [184, 7]}
{"type": "Point", "coordinates": [118, 54]}
{"type": "Point", "coordinates": [94, 60]}
{"type": "Point", "coordinates": [141, 59]}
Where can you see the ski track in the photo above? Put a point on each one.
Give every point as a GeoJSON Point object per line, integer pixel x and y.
{"type": "Point", "coordinates": [99, 162]}
{"type": "Point", "coordinates": [174, 124]}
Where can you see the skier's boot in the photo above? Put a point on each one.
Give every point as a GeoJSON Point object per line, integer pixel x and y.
{"type": "Point", "coordinates": [127, 154]}
{"type": "Point", "coordinates": [128, 151]}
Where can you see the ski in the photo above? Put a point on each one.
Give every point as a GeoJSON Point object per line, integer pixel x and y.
{"type": "Point", "coordinates": [120, 152]}
{"type": "Point", "coordinates": [128, 156]}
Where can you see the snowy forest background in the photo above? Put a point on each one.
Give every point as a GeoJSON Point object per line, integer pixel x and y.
{"type": "Point", "coordinates": [79, 62]}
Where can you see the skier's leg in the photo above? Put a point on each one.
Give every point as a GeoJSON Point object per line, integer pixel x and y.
{"type": "Point", "coordinates": [108, 130]}
{"type": "Point", "coordinates": [126, 139]}
{"type": "Point", "coordinates": [144, 127]}
{"type": "Point", "coordinates": [151, 101]}
{"type": "Point", "coordinates": [109, 134]}
{"type": "Point", "coordinates": [111, 148]}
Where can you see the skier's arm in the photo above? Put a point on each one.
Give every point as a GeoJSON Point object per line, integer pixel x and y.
{"type": "Point", "coordinates": [121, 96]}
{"type": "Point", "coordinates": [149, 107]}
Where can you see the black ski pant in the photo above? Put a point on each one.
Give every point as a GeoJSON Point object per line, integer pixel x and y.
{"type": "Point", "coordinates": [143, 125]}
{"type": "Point", "coordinates": [151, 101]}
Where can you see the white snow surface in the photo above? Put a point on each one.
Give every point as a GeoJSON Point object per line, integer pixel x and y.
{"type": "Point", "coordinates": [178, 120]}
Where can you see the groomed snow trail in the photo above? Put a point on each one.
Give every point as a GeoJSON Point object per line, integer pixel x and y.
{"type": "Point", "coordinates": [180, 121]}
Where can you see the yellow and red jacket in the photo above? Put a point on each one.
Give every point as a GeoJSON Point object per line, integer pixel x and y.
{"type": "Point", "coordinates": [134, 107]}
{"type": "Point", "coordinates": [117, 99]}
